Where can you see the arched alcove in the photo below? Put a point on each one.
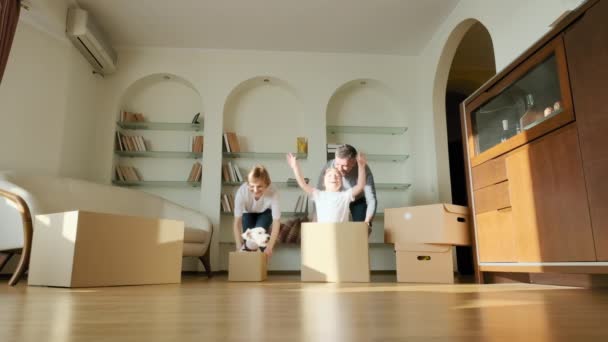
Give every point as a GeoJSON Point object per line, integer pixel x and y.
{"type": "Point", "coordinates": [267, 115]}
{"type": "Point", "coordinates": [162, 98]}
{"type": "Point", "coordinates": [365, 114]}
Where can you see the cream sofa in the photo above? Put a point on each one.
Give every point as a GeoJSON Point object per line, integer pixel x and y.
{"type": "Point", "coordinates": [24, 195]}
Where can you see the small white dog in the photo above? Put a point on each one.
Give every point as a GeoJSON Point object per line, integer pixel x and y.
{"type": "Point", "coordinates": [254, 239]}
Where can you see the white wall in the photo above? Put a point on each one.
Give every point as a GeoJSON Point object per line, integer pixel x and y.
{"type": "Point", "coordinates": [48, 97]}
{"type": "Point", "coordinates": [513, 26]}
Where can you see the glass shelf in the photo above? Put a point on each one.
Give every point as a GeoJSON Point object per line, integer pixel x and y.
{"type": "Point", "coordinates": [283, 214]}
{"type": "Point", "coordinates": [158, 184]}
{"type": "Point", "coordinates": [159, 154]}
{"type": "Point", "coordinates": [388, 157]}
{"type": "Point", "coordinates": [265, 155]}
{"type": "Point", "coordinates": [277, 184]}
{"type": "Point", "coordinates": [366, 130]}
{"type": "Point", "coordinates": [161, 126]}
{"type": "Point", "coordinates": [393, 186]}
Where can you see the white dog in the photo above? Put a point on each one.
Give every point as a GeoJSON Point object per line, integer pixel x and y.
{"type": "Point", "coordinates": [254, 239]}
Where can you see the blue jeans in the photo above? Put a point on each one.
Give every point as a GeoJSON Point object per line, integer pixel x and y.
{"type": "Point", "coordinates": [263, 219]}
{"type": "Point", "coordinates": [358, 209]}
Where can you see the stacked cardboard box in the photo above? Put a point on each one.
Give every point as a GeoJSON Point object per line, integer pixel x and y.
{"type": "Point", "coordinates": [424, 237]}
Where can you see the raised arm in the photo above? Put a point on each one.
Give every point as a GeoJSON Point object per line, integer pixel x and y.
{"type": "Point", "coordinates": [361, 162]}
{"type": "Point", "coordinates": [293, 163]}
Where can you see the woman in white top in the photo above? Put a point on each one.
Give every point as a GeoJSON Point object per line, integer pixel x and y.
{"type": "Point", "coordinates": [331, 204]}
{"type": "Point", "coordinates": [256, 204]}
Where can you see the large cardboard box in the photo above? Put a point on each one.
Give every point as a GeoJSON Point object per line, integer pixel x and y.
{"type": "Point", "coordinates": [335, 252]}
{"type": "Point", "coordinates": [424, 263]}
{"type": "Point", "coordinates": [247, 266]}
{"type": "Point", "coordinates": [445, 224]}
{"type": "Point", "coordinates": [85, 249]}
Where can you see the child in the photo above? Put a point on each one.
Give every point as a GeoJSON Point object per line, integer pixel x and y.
{"type": "Point", "coordinates": [256, 204]}
{"type": "Point", "coordinates": [332, 204]}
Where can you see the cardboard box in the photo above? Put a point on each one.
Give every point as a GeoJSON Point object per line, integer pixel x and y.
{"type": "Point", "coordinates": [85, 249]}
{"type": "Point", "coordinates": [335, 252]}
{"type": "Point", "coordinates": [429, 224]}
{"type": "Point", "coordinates": [247, 266]}
{"type": "Point", "coordinates": [420, 263]}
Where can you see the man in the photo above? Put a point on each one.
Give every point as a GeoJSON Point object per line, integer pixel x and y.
{"type": "Point", "coordinates": [364, 207]}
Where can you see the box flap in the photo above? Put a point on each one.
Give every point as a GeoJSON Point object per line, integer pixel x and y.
{"type": "Point", "coordinates": [456, 209]}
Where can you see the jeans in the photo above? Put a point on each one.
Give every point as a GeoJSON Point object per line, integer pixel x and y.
{"type": "Point", "coordinates": [358, 209]}
{"type": "Point", "coordinates": [263, 219]}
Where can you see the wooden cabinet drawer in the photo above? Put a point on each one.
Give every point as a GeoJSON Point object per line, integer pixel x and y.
{"type": "Point", "coordinates": [491, 172]}
{"type": "Point", "coordinates": [492, 197]}
{"type": "Point", "coordinates": [496, 236]}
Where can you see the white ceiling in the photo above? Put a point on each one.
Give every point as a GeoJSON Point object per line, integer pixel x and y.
{"type": "Point", "coordinates": [350, 26]}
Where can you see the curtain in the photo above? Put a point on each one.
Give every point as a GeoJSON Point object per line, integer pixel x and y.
{"type": "Point", "coordinates": [9, 16]}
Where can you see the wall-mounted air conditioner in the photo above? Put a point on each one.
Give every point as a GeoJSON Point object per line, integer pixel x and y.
{"type": "Point", "coordinates": [90, 41]}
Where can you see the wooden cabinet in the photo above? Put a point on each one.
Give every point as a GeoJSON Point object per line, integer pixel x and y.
{"type": "Point", "coordinates": [536, 147]}
{"type": "Point", "coordinates": [496, 236]}
{"type": "Point", "coordinates": [586, 45]}
{"type": "Point", "coordinates": [549, 201]}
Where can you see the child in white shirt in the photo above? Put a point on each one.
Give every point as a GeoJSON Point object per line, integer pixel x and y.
{"type": "Point", "coordinates": [332, 204]}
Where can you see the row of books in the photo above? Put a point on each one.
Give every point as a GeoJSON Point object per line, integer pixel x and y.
{"type": "Point", "coordinates": [196, 143]}
{"type": "Point", "coordinates": [196, 173]}
{"type": "Point", "coordinates": [231, 173]}
{"type": "Point", "coordinates": [131, 143]}
{"type": "Point", "coordinates": [301, 204]}
{"type": "Point", "coordinates": [227, 203]}
{"type": "Point", "coordinates": [127, 173]}
{"type": "Point", "coordinates": [126, 116]}
{"type": "Point", "coordinates": [230, 142]}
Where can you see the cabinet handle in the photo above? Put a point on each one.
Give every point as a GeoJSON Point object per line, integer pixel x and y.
{"type": "Point", "coordinates": [504, 210]}
{"type": "Point", "coordinates": [461, 219]}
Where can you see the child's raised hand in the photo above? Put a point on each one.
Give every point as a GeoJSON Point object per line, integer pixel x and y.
{"type": "Point", "coordinates": [291, 160]}
{"type": "Point", "coordinates": [361, 159]}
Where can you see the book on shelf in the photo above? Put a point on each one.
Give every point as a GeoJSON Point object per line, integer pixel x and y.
{"type": "Point", "coordinates": [231, 173]}
{"type": "Point", "coordinates": [135, 143]}
{"type": "Point", "coordinates": [127, 173]}
{"type": "Point", "coordinates": [231, 142]}
{"type": "Point", "coordinates": [227, 203]}
{"type": "Point", "coordinates": [301, 205]}
{"type": "Point", "coordinates": [196, 172]}
{"type": "Point", "coordinates": [196, 143]}
{"type": "Point", "coordinates": [126, 116]}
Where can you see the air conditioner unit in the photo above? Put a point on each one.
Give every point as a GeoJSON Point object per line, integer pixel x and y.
{"type": "Point", "coordinates": [90, 41]}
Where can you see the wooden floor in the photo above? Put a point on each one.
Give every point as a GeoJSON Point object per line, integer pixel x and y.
{"type": "Point", "coordinates": [283, 309]}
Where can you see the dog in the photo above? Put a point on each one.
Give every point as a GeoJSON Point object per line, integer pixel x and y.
{"type": "Point", "coordinates": [255, 238]}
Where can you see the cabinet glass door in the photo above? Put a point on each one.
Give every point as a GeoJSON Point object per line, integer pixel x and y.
{"type": "Point", "coordinates": [526, 102]}
{"type": "Point", "coordinates": [530, 100]}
